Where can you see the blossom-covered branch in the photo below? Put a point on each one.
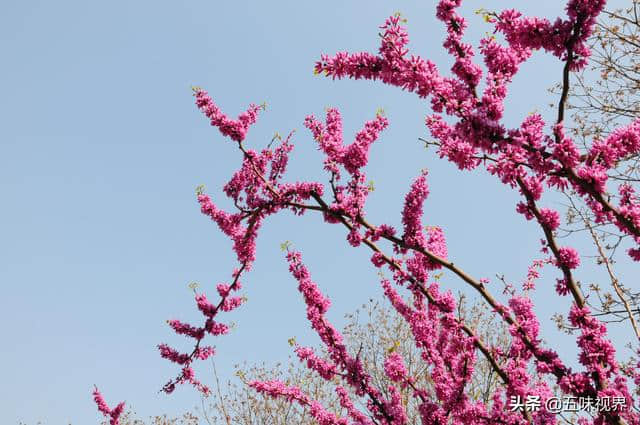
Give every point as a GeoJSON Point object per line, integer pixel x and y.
{"type": "Point", "coordinates": [529, 158]}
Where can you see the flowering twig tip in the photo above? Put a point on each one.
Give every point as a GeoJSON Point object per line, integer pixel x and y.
{"type": "Point", "coordinates": [398, 14]}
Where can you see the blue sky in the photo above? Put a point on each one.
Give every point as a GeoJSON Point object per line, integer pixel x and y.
{"type": "Point", "coordinates": [101, 149]}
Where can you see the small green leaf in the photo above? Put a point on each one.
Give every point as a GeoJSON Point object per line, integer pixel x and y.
{"type": "Point", "coordinates": [284, 246]}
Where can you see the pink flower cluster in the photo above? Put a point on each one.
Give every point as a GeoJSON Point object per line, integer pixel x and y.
{"type": "Point", "coordinates": [330, 139]}
{"type": "Point", "coordinates": [351, 368]}
{"type": "Point", "coordinates": [350, 198]}
{"type": "Point", "coordinates": [524, 155]}
{"type": "Point", "coordinates": [395, 368]}
{"type": "Point", "coordinates": [447, 351]}
{"type": "Point", "coordinates": [533, 274]}
{"type": "Point", "coordinates": [211, 326]}
{"type": "Point", "coordinates": [234, 129]}
{"type": "Point", "coordinates": [279, 389]}
{"type": "Point", "coordinates": [419, 264]}
{"type": "Point", "coordinates": [103, 407]}
{"type": "Point", "coordinates": [565, 39]}
{"type": "Point", "coordinates": [256, 191]}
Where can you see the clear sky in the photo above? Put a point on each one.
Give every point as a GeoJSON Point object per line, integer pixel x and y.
{"type": "Point", "coordinates": [101, 149]}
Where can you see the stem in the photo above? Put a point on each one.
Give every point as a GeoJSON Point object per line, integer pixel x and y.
{"type": "Point", "coordinates": [614, 280]}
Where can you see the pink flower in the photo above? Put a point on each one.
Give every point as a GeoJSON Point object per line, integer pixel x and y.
{"type": "Point", "coordinates": [395, 368]}
{"type": "Point", "coordinates": [549, 218]}
{"type": "Point", "coordinates": [412, 212]}
{"type": "Point", "coordinates": [113, 414]}
{"type": "Point", "coordinates": [568, 257]}
{"type": "Point", "coordinates": [234, 129]}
